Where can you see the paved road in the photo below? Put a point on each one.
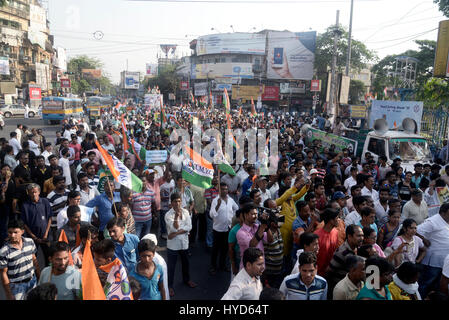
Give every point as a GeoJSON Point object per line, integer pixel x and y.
{"type": "Point", "coordinates": [209, 287]}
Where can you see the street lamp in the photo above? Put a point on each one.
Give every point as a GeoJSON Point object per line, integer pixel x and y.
{"type": "Point", "coordinates": [232, 28]}
{"type": "Point", "coordinates": [215, 29]}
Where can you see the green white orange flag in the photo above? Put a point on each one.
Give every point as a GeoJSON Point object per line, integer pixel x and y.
{"type": "Point", "coordinates": [137, 150]}
{"type": "Point", "coordinates": [223, 162]}
{"type": "Point", "coordinates": [119, 171]}
{"type": "Point", "coordinates": [197, 170]}
{"type": "Point", "coordinates": [117, 283]}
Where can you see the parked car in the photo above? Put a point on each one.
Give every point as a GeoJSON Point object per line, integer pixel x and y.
{"type": "Point", "coordinates": [17, 110]}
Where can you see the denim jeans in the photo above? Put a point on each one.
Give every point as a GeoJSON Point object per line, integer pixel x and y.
{"type": "Point", "coordinates": [20, 290]}
{"type": "Point", "coordinates": [209, 233]}
{"type": "Point", "coordinates": [143, 228]}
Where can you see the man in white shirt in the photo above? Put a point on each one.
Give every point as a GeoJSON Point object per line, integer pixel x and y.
{"type": "Point", "coordinates": [107, 145]}
{"type": "Point", "coordinates": [64, 163]}
{"type": "Point", "coordinates": [265, 194]}
{"type": "Point", "coordinates": [47, 152]}
{"type": "Point", "coordinates": [178, 224]}
{"type": "Point", "coordinates": [354, 217]}
{"type": "Point", "coordinates": [368, 190]}
{"type": "Point", "coordinates": [222, 210]}
{"type": "Point", "coordinates": [74, 199]}
{"type": "Point", "coordinates": [87, 193]}
{"type": "Point", "coordinates": [415, 208]}
{"type": "Point", "coordinates": [19, 132]}
{"type": "Point", "coordinates": [351, 181]}
{"type": "Point", "coordinates": [246, 284]}
{"type": "Point", "coordinates": [381, 206]}
{"type": "Point", "coordinates": [233, 183]}
{"type": "Point", "coordinates": [435, 234]}
{"type": "Point", "coordinates": [14, 143]}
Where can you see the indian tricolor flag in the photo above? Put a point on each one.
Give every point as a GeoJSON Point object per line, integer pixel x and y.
{"type": "Point", "coordinates": [197, 170]}
{"type": "Point", "coordinates": [136, 149]}
{"type": "Point", "coordinates": [223, 162]}
{"type": "Point", "coordinates": [119, 171]}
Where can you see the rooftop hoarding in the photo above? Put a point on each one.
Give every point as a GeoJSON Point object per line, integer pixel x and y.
{"type": "Point", "coordinates": [130, 80]}
{"type": "Point", "coordinates": [241, 43]}
{"type": "Point", "coordinates": [394, 112]}
{"type": "Point", "coordinates": [223, 70]}
{"type": "Point", "coordinates": [291, 55]}
{"type": "Point", "coordinates": [38, 25]}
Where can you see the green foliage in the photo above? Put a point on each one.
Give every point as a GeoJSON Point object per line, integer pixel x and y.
{"type": "Point", "coordinates": [360, 54]}
{"type": "Point", "coordinates": [443, 5]}
{"type": "Point", "coordinates": [435, 90]}
{"type": "Point", "coordinates": [167, 80]}
{"type": "Point", "coordinates": [356, 90]}
{"type": "Point", "coordinates": [81, 83]}
{"type": "Point", "coordinates": [3, 3]}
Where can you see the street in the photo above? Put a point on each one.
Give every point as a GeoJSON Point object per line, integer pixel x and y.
{"type": "Point", "coordinates": [209, 287]}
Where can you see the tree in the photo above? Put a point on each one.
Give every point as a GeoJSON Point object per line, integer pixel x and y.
{"type": "Point", "coordinates": [356, 89]}
{"type": "Point", "coordinates": [80, 82]}
{"type": "Point", "coordinates": [360, 55]}
{"type": "Point", "coordinates": [443, 5]}
{"type": "Point", "coordinates": [167, 80]}
{"type": "Point", "coordinates": [3, 3]}
{"type": "Point", "coordinates": [435, 91]}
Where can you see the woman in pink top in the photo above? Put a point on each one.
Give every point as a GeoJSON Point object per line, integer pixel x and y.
{"type": "Point", "coordinates": [370, 237]}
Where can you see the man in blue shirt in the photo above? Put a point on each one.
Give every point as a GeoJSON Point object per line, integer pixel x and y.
{"type": "Point", "coordinates": [104, 202]}
{"type": "Point", "coordinates": [247, 184]}
{"type": "Point", "coordinates": [125, 244]}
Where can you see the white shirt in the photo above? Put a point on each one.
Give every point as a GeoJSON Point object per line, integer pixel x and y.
{"type": "Point", "coordinates": [349, 183]}
{"type": "Point", "coordinates": [373, 194]}
{"type": "Point", "coordinates": [64, 163]}
{"type": "Point", "coordinates": [87, 196]}
{"type": "Point", "coordinates": [381, 213]}
{"type": "Point", "coordinates": [243, 287]}
{"type": "Point", "coordinates": [34, 147]}
{"type": "Point", "coordinates": [86, 216]}
{"type": "Point", "coordinates": [158, 259]}
{"type": "Point", "coordinates": [242, 174]}
{"type": "Point", "coordinates": [14, 143]}
{"type": "Point", "coordinates": [233, 182]}
{"type": "Point", "coordinates": [433, 202]}
{"type": "Point", "coordinates": [274, 191]}
{"type": "Point", "coordinates": [19, 134]}
{"type": "Point", "coordinates": [265, 195]}
{"type": "Point", "coordinates": [109, 147]}
{"type": "Point", "coordinates": [436, 230]}
{"type": "Point", "coordinates": [412, 211]}
{"type": "Point", "coordinates": [348, 169]}
{"type": "Point", "coordinates": [181, 241]}
{"type": "Point", "coordinates": [352, 218]}
{"type": "Point", "coordinates": [46, 154]}
{"type": "Point", "coordinates": [446, 267]}
{"type": "Point", "coordinates": [222, 218]}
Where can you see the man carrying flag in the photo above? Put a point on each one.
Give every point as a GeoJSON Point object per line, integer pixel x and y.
{"type": "Point", "coordinates": [197, 170]}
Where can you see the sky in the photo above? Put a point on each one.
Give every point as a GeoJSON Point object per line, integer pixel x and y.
{"type": "Point", "coordinates": [127, 34]}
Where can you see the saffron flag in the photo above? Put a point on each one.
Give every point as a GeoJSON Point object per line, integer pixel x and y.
{"type": "Point", "coordinates": [125, 135]}
{"type": "Point", "coordinates": [253, 108]}
{"type": "Point", "coordinates": [119, 171]}
{"type": "Point", "coordinates": [117, 284]}
{"type": "Point", "coordinates": [63, 238]}
{"type": "Point", "coordinates": [197, 170]}
{"type": "Point", "coordinates": [90, 282]}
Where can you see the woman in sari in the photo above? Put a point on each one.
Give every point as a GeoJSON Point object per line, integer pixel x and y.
{"type": "Point", "coordinates": [389, 230]}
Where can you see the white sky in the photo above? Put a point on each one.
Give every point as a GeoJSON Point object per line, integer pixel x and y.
{"type": "Point", "coordinates": [133, 30]}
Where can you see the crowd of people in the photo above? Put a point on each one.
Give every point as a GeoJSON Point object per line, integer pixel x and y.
{"type": "Point", "coordinates": [311, 231]}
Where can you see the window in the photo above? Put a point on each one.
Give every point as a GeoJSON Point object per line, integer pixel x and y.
{"type": "Point", "coordinates": [377, 146]}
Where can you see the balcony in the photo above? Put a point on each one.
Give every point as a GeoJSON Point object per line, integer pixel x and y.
{"type": "Point", "coordinates": [17, 12]}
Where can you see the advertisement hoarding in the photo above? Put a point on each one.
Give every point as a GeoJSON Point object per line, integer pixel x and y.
{"type": "Point", "coordinates": [43, 78]}
{"type": "Point", "coordinates": [130, 80]}
{"type": "Point", "coordinates": [245, 92]}
{"type": "Point", "coordinates": [223, 70]}
{"type": "Point", "coordinates": [270, 93]}
{"type": "Point", "coordinates": [315, 85]}
{"type": "Point", "coordinates": [442, 50]}
{"type": "Point", "coordinates": [358, 112]}
{"type": "Point", "coordinates": [38, 25]}
{"type": "Point", "coordinates": [344, 89]}
{"type": "Point", "coordinates": [394, 112]}
{"type": "Point", "coordinates": [94, 73]}
{"type": "Point", "coordinates": [328, 139]}
{"type": "Point", "coordinates": [297, 88]}
{"type": "Point", "coordinates": [184, 85]}
{"type": "Point", "coordinates": [221, 86]}
{"type": "Point", "coordinates": [153, 100]}
{"type": "Point", "coordinates": [151, 69]}
{"type": "Point", "coordinates": [241, 43]}
{"type": "Point", "coordinates": [35, 93]}
{"type": "Point", "coordinates": [291, 55]}
{"type": "Point", "coordinates": [201, 89]}
{"type": "Point", "coordinates": [65, 83]}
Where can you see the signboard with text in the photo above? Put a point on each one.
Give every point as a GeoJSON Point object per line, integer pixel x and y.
{"type": "Point", "coordinates": [65, 83]}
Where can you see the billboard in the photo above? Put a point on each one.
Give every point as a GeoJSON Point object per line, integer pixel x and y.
{"type": "Point", "coordinates": [245, 92]}
{"type": "Point", "coordinates": [442, 50]}
{"type": "Point", "coordinates": [4, 66]}
{"type": "Point", "coordinates": [221, 86]}
{"type": "Point", "coordinates": [153, 100]}
{"type": "Point", "coordinates": [328, 139]}
{"type": "Point", "coordinates": [223, 70]}
{"type": "Point", "coordinates": [93, 73]}
{"type": "Point", "coordinates": [394, 112]}
{"type": "Point", "coordinates": [358, 112]}
{"type": "Point", "coordinates": [184, 85]}
{"type": "Point", "coordinates": [61, 59]}
{"type": "Point", "coordinates": [130, 80]}
{"type": "Point", "coordinates": [241, 43]}
{"type": "Point", "coordinates": [38, 25]}
{"type": "Point", "coordinates": [35, 93]}
{"type": "Point", "coordinates": [344, 89]}
{"type": "Point", "coordinates": [65, 83]}
{"type": "Point", "coordinates": [43, 78]}
{"type": "Point", "coordinates": [201, 89]}
{"type": "Point", "coordinates": [287, 88]}
{"type": "Point", "coordinates": [291, 55]}
{"type": "Point", "coordinates": [315, 86]}
{"type": "Point", "coordinates": [270, 93]}
{"type": "Point", "coordinates": [151, 69]}
{"type": "Point", "coordinates": [167, 47]}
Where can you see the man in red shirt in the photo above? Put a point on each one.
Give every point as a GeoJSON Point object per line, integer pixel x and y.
{"type": "Point", "coordinates": [321, 200]}
{"type": "Point", "coordinates": [328, 239]}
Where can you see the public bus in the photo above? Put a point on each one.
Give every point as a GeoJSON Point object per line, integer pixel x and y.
{"type": "Point", "coordinates": [94, 106]}
{"type": "Point", "coordinates": [57, 109]}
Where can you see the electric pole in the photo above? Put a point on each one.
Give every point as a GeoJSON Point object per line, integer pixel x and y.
{"type": "Point", "coordinates": [348, 60]}
{"type": "Point", "coordinates": [332, 94]}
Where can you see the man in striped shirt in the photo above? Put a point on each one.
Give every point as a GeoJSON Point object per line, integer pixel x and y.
{"type": "Point", "coordinates": [142, 206]}
{"type": "Point", "coordinates": [58, 201]}
{"type": "Point", "coordinates": [18, 263]}
{"type": "Point", "coordinates": [93, 178]}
